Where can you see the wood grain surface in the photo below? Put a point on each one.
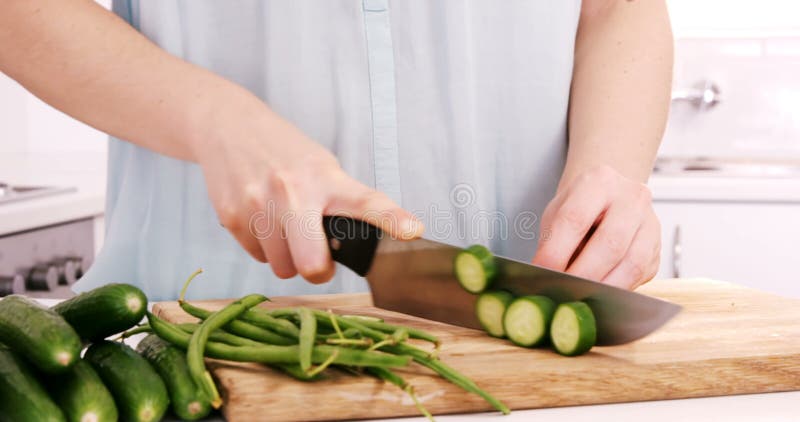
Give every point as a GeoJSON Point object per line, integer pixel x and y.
{"type": "Point", "coordinates": [727, 340]}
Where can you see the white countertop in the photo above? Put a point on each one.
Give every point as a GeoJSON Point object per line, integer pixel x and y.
{"type": "Point", "coordinates": [86, 171]}
{"type": "Point", "coordinates": [724, 189]}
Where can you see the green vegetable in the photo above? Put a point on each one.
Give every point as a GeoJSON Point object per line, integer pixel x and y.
{"type": "Point", "coordinates": [308, 334]}
{"type": "Point", "coordinates": [187, 400]}
{"type": "Point", "coordinates": [104, 311]}
{"type": "Point", "coordinates": [474, 268]}
{"type": "Point", "coordinates": [38, 334]}
{"type": "Point", "coordinates": [573, 330]}
{"type": "Point", "coordinates": [490, 308]}
{"type": "Point", "coordinates": [247, 330]}
{"type": "Point", "coordinates": [276, 354]}
{"type": "Point", "coordinates": [138, 390]}
{"type": "Point", "coordinates": [82, 395]}
{"type": "Point", "coordinates": [22, 398]}
{"type": "Point", "coordinates": [197, 343]}
{"type": "Point", "coordinates": [527, 320]}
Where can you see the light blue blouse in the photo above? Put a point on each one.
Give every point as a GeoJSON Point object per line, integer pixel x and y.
{"type": "Point", "coordinates": [455, 108]}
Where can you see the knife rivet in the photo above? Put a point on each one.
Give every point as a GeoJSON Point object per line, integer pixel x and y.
{"type": "Point", "coordinates": [336, 244]}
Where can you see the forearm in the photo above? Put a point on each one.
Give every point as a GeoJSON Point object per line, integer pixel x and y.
{"type": "Point", "coordinates": [620, 87]}
{"type": "Point", "coordinates": [88, 63]}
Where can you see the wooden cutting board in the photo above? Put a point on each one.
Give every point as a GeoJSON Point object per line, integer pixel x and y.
{"type": "Point", "coordinates": [727, 340]}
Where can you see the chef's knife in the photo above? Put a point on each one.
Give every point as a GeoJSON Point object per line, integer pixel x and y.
{"type": "Point", "coordinates": [416, 277]}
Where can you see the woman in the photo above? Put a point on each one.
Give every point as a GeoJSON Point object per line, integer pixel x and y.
{"type": "Point", "coordinates": [236, 125]}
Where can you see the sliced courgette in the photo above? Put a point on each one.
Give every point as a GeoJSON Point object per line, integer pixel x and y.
{"type": "Point", "coordinates": [22, 397]}
{"type": "Point", "coordinates": [573, 330]}
{"type": "Point", "coordinates": [138, 390]}
{"type": "Point", "coordinates": [38, 334]}
{"type": "Point", "coordinates": [82, 395]}
{"type": "Point", "coordinates": [527, 320]}
{"type": "Point", "coordinates": [188, 401]}
{"type": "Point", "coordinates": [474, 268]}
{"type": "Point", "coordinates": [104, 311]}
{"type": "Point", "coordinates": [490, 308]}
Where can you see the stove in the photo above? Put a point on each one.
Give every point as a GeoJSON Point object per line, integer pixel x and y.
{"type": "Point", "coordinates": [13, 193]}
{"type": "Point", "coordinates": [43, 261]}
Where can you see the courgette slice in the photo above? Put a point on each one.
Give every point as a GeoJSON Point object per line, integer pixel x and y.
{"type": "Point", "coordinates": [22, 397]}
{"type": "Point", "coordinates": [474, 268]}
{"type": "Point", "coordinates": [490, 308]}
{"type": "Point", "coordinates": [138, 390]}
{"type": "Point", "coordinates": [573, 330]}
{"type": "Point", "coordinates": [527, 320]}
{"type": "Point", "coordinates": [82, 395]}
{"type": "Point", "coordinates": [38, 334]}
{"type": "Point", "coordinates": [104, 311]}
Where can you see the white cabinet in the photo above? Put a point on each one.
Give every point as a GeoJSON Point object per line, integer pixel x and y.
{"type": "Point", "coordinates": [753, 244]}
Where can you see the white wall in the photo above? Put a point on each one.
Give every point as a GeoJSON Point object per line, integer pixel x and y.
{"type": "Point", "coordinates": [28, 125]}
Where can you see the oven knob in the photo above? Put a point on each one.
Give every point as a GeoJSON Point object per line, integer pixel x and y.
{"type": "Point", "coordinates": [42, 277]}
{"type": "Point", "coordinates": [77, 262]}
{"type": "Point", "coordinates": [13, 284]}
{"type": "Point", "coordinates": [67, 269]}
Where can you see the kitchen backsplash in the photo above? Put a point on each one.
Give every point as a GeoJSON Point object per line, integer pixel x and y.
{"type": "Point", "coordinates": [758, 110]}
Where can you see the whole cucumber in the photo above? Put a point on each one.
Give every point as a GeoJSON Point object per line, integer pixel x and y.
{"type": "Point", "coordinates": [188, 401]}
{"type": "Point", "coordinates": [104, 311]}
{"type": "Point", "coordinates": [82, 395]}
{"type": "Point", "coordinates": [22, 397]}
{"type": "Point", "coordinates": [38, 334]}
{"type": "Point", "coordinates": [138, 390]}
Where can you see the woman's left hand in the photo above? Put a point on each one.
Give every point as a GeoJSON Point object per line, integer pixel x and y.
{"type": "Point", "coordinates": [601, 226]}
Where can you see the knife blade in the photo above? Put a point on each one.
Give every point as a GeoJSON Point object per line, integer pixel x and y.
{"type": "Point", "coordinates": [416, 277]}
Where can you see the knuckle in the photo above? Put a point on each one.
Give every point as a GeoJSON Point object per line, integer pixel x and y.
{"type": "Point", "coordinates": [254, 197]}
{"type": "Point", "coordinates": [613, 241]}
{"type": "Point", "coordinates": [637, 270]}
{"type": "Point", "coordinates": [574, 218]}
{"type": "Point", "coordinates": [229, 217]}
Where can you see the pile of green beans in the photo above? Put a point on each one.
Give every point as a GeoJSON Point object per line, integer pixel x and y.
{"type": "Point", "coordinates": [303, 343]}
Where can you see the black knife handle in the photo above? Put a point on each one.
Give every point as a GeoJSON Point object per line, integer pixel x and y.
{"type": "Point", "coordinates": [352, 242]}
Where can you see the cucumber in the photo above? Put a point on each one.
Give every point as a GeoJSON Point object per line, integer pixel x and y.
{"type": "Point", "coordinates": [573, 330]}
{"type": "Point", "coordinates": [490, 308]}
{"type": "Point", "coordinates": [188, 401]}
{"type": "Point", "coordinates": [474, 268]}
{"type": "Point", "coordinates": [104, 311]}
{"type": "Point", "coordinates": [38, 334]}
{"type": "Point", "coordinates": [527, 320]}
{"type": "Point", "coordinates": [82, 395]}
{"type": "Point", "coordinates": [22, 397]}
{"type": "Point", "coordinates": [138, 390]}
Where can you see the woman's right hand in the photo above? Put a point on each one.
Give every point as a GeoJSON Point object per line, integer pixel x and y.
{"type": "Point", "coordinates": [270, 185]}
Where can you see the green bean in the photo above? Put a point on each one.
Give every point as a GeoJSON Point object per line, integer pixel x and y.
{"type": "Point", "coordinates": [389, 328]}
{"type": "Point", "coordinates": [308, 334]}
{"type": "Point", "coordinates": [242, 328]}
{"type": "Point", "coordinates": [392, 378]}
{"type": "Point", "coordinates": [422, 357]}
{"type": "Point", "coordinates": [349, 333]}
{"type": "Point", "coordinates": [198, 340]}
{"type": "Point", "coordinates": [221, 336]}
{"type": "Point", "coordinates": [275, 354]}
{"type": "Point", "coordinates": [265, 320]}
